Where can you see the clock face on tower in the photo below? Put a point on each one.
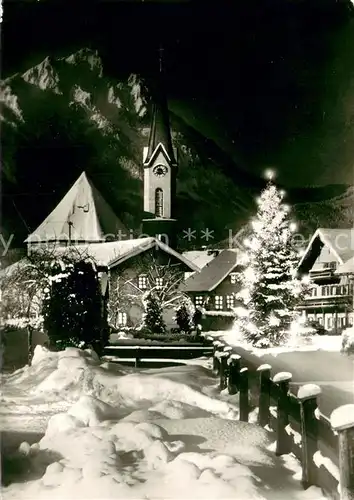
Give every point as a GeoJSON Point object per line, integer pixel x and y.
{"type": "Point", "coordinates": [160, 170]}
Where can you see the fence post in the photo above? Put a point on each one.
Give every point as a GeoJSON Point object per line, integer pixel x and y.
{"type": "Point", "coordinates": [307, 396]}
{"type": "Point", "coordinates": [244, 407]}
{"type": "Point", "coordinates": [342, 421]}
{"type": "Point", "coordinates": [264, 395]}
{"type": "Point", "coordinates": [224, 367]}
{"type": "Point", "coordinates": [137, 357]}
{"type": "Point", "coordinates": [234, 363]}
{"type": "Point", "coordinates": [209, 338]}
{"type": "Point", "coordinates": [283, 439]}
{"type": "Point", "coordinates": [29, 344]}
{"type": "Point", "coordinates": [216, 361]}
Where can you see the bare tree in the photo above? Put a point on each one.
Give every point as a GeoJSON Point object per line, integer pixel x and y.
{"type": "Point", "coordinates": [161, 280]}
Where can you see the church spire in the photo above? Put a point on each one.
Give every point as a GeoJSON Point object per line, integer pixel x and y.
{"type": "Point", "coordinates": [160, 132]}
{"type": "Point", "coordinates": [160, 171]}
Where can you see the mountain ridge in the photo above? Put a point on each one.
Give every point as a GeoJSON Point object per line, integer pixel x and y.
{"type": "Point", "coordinates": [64, 116]}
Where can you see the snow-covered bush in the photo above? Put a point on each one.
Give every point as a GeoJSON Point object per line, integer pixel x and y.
{"type": "Point", "coordinates": [300, 332]}
{"type": "Point", "coordinates": [348, 340]}
{"type": "Point", "coordinates": [153, 319]}
{"type": "Point", "coordinates": [72, 305]}
{"type": "Point", "coordinates": [184, 317]}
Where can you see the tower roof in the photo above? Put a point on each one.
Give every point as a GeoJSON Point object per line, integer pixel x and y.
{"type": "Point", "coordinates": [82, 215]}
{"type": "Point", "coordinates": [160, 133]}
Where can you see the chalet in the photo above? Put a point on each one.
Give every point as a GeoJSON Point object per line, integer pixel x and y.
{"type": "Point", "coordinates": [215, 285]}
{"type": "Point", "coordinates": [327, 263]}
{"type": "Point", "coordinates": [135, 267]}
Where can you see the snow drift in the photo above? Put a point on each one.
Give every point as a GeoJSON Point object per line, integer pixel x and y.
{"type": "Point", "coordinates": [138, 434]}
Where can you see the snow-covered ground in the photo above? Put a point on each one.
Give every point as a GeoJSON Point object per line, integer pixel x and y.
{"type": "Point", "coordinates": [116, 432]}
{"type": "Point", "coordinates": [331, 343]}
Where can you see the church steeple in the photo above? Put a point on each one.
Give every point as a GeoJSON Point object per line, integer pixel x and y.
{"type": "Point", "coordinates": [160, 169]}
{"type": "Point", "coordinates": [160, 132]}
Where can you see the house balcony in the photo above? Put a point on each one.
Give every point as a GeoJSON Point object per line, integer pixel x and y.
{"type": "Point", "coordinates": [326, 272]}
{"type": "Point", "coordinates": [327, 302]}
{"type": "Point", "coordinates": [329, 297]}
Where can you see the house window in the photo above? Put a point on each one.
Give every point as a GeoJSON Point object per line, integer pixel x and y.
{"type": "Point", "coordinates": [314, 292]}
{"type": "Point", "coordinates": [230, 301]}
{"type": "Point", "coordinates": [122, 318]}
{"type": "Point", "coordinates": [325, 290]}
{"type": "Point", "coordinates": [143, 282]}
{"type": "Point", "coordinates": [233, 278]}
{"type": "Point", "coordinates": [218, 302]}
{"type": "Point", "coordinates": [159, 283]}
{"type": "Point", "coordinates": [159, 202]}
{"type": "Point", "coordinates": [329, 322]}
{"type": "Point", "coordinates": [199, 299]}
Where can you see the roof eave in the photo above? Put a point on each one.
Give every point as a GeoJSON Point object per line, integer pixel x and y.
{"type": "Point", "coordinates": [132, 253]}
{"type": "Point", "coordinates": [318, 234]}
{"type": "Point", "coordinates": [160, 147]}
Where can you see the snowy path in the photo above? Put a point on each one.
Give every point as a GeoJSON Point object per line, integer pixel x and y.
{"type": "Point", "coordinates": [138, 434]}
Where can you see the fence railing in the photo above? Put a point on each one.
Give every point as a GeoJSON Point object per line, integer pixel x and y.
{"type": "Point", "coordinates": [139, 354]}
{"type": "Point", "coordinates": [324, 447]}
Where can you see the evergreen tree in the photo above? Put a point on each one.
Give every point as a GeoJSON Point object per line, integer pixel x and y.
{"type": "Point", "coordinates": [72, 306]}
{"type": "Point", "coordinates": [184, 318]}
{"type": "Point", "coordinates": [270, 288]}
{"type": "Point", "coordinates": [153, 319]}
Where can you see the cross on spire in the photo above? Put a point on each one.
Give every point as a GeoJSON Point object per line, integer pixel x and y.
{"type": "Point", "coordinates": [161, 49]}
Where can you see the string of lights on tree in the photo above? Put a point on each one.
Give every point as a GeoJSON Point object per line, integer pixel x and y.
{"type": "Point", "coordinates": [270, 287]}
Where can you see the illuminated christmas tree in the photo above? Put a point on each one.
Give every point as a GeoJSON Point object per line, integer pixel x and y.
{"type": "Point", "coordinates": [270, 288]}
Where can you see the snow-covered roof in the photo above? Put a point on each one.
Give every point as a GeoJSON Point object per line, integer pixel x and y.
{"type": "Point", "coordinates": [81, 216]}
{"type": "Point", "coordinates": [339, 241]}
{"type": "Point", "coordinates": [113, 253]}
{"type": "Point", "coordinates": [213, 273]}
{"type": "Point", "coordinates": [199, 257]}
{"type": "Point", "coordinates": [109, 254]}
{"type": "Point", "coordinates": [347, 267]}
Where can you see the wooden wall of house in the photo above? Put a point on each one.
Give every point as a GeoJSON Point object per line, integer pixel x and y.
{"type": "Point", "coordinates": [130, 302]}
{"type": "Point", "coordinates": [326, 255]}
{"type": "Point", "coordinates": [224, 289]}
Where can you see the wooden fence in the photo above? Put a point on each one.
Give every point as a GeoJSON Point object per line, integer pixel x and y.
{"type": "Point", "coordinates": [324, 447]}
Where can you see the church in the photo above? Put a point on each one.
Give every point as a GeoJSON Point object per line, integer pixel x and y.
{"type": "Point", "coordinates": [128, 266]}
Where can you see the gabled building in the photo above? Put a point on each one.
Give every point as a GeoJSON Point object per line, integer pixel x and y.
{"type": "Point", "coordinates": [330, 302]}
{"type": "Point", "coordinates": [134, 267]}
{"type": "Point", "coordinates": [83, 216]}
{"type": "Point", "coordinates": [214, 287]}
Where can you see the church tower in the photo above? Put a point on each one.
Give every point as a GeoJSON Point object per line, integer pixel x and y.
{"type": "Point", "coordinates": [160, 172]}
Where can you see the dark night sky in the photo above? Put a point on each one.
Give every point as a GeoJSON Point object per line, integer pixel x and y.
{"type": "Point", "coordinates": [271, 82]}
